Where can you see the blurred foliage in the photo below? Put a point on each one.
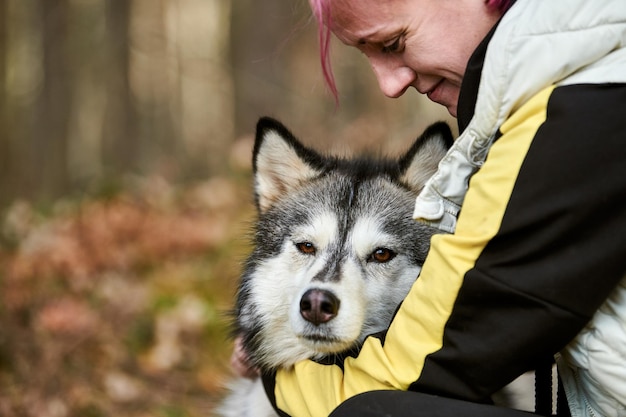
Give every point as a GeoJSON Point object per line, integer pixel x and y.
{"type": "Point", "coordinates": [117, 304]}
{"type": "Point", "coordinates": [125, 201]}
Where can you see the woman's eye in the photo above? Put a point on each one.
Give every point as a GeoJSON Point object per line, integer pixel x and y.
{"type": "Point", "coordinates": [381, 255]}
{"type": "Point", "coordinates": [393, 46]}
{"type": "Point", "coordinates": [306, 248]}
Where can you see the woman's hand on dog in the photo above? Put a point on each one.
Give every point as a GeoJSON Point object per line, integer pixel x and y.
{"type": "Point", "coordinates": [240, 363]}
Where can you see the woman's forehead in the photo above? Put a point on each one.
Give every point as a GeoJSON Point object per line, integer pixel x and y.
{"type": "Point", "coordinates": [355, 20]}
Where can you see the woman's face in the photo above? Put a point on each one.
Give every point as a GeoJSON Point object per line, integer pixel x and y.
{"type": "Point", "coordinates": [423, 44]}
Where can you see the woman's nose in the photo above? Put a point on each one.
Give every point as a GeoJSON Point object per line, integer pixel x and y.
{"type": "Point", "coordinates": [393, 80]}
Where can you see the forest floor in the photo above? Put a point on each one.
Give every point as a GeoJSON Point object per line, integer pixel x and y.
{"type": "Point", "coordinates": [117, 304]}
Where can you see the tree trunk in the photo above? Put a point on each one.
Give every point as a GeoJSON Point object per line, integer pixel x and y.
{"type": "Point", "coordinates": [121, 144]}
{"type": "Point", "coordinates": [48, 141]}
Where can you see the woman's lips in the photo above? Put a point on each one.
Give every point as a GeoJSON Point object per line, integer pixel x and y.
{"type": "Point", "coordinates": [433, 92]}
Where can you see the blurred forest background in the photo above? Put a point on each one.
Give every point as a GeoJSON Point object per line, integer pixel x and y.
{"type": "Point", "coordinates": [126, 129]}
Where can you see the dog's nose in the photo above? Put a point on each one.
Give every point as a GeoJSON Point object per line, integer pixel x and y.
{"type": "Point", "coordinates": [318, 306]}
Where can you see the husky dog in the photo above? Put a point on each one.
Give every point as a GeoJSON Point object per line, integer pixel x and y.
{"type": "Point", "coordinates": [335, 251]}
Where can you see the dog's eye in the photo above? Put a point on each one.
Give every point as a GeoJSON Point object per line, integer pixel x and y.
{"type": "Point", "coordinates": [381, 255]}
{"type": "Point", "coordinates": [306, 247]}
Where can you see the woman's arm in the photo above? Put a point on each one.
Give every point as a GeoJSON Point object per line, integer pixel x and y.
{"type": "Point", "coordinates": [540, 243]}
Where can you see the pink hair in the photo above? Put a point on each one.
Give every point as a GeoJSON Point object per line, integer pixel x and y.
{"type": "Point", "coordinates": [321, 11]}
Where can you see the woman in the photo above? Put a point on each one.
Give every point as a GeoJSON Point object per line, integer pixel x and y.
{"type": "Point", "coordinates": [534, 263]}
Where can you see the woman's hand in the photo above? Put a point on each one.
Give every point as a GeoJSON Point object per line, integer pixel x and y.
{"type": "Point", "coordinates": [240, 363]}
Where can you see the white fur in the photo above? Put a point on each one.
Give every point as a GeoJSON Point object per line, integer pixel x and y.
{"type": "Point", "coordinates": [366, 237]}
{"type": "Point", "coordinates": [255, 402]}
{"type": "Point", "coordinates": [279, 285]}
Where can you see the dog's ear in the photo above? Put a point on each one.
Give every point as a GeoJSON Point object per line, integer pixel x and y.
{"type": "Point", "coordinates": [421, 161]}
{"type": "Point", "coordinates": [280, 163]}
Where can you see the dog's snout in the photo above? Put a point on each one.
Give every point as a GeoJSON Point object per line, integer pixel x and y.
{"type": "Point", "coordinates": [318, 306]}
